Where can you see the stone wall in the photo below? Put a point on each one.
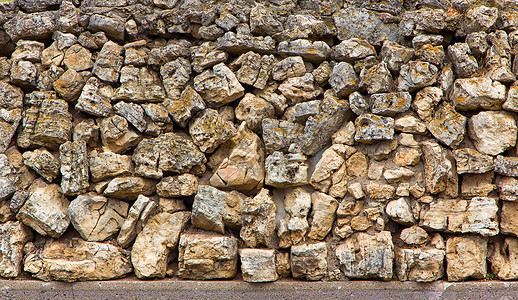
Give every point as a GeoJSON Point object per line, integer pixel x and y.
{"type": "Point", "coordinates": [314, 139]}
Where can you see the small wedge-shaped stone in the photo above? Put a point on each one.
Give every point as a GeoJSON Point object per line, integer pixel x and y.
{"type": "Point", "coordinates": [153, 246]}
{"type": "Point", "coordinates": [95, 217]}
{"type": "Point", "coordinates": [138, 214]}
{"type": "Point", "coordinates": [46, 209]}
{"type": "Point", "coordinates": [218, 86]}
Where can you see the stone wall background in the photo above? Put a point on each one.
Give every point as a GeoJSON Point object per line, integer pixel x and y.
{"type": "Point", "coordinates": [318, 139]}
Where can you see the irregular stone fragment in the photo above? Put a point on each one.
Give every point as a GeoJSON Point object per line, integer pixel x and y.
{"type": "Point", "coordinates": [507, 188]}
{"type": "Point", "coordinates": [464, 64]}
{"type": "Point", "coordinates": [109, 61]}
{"type": "Point", "coordinates": [162, 54]}
{"type": "Point", "coordinates": [243, 169]}
{"type": "Point", "coordinates": [258, 265]}
{"type": "Point", "coordinates": [477, 215]}
{"type": "Point", "coordinates": [113, 27]}
{"type": "Point", "coordinates": [309, 261]}
{"type": "Point", "coordinates": [258, 216]}
{"type": "Point", "coordinates": [292, 66]}
{"type": "Point", "coordinates": [115, 134]}
{"type": "Point", "coordinates": [352, 22]}
{"type": "Point", "coordinates": [213, 209]}
{"type": "Point", "coordinates": [279, 135]}
{"type": "Point", "coordinates": [371, 128]}
{"type": "Point", "coordinates": [43, 162]}
{"type": "Point", "coordinates": [11, 102]}
{"type": "Point", "coordinates": [508, 224]}
{"type": "Point", "coordinates": [332, 160]}
{"type": "Point", "coordinates": [154, 244]}
{"type": "Point", "coordinates": [420, 264]}
{"type": "Point", "coordinates": [507, 166]}
{"type": "Point", "coordinates": [70, 84]}
{"type": "Point", "coordinates": [493, 132]}
{"type": "Point", "coordinates": [177, 186]}
{"type": "Point", "coordinates": [283, 171]}
{"type": "Point", "coordinates": [471, 161]}
{"type": "Point", "coordinates": [425, 101]}
{"type": "Point", "coordinates": [298, 89]}
{"type": "Point", "coordinates": [239, 43]}
{"type": "Point", "coordinates": [204, 255]}
{"type": "Point", "coordinates": [367, 256]}
{"type": "Point", "coordinates": [390, 104]}
{"type": "Point", "coordinates": [478, 93]}
{"type": "Point", "coordinates": [477, 42]}
{"type": "Point", "coordinates": [14, 236]}
{"type": "Point", "coordinates": [376, 79]}
{"type": "Point", "coordinates": [218, 86]}
{"type": "Point", "coordinates": [129, 188]}
{"type": "Point", "coordinates": [293, 227]}
{"type": "Point", "coordinates": [313, 51]}
{"type": "Point", "coordinates": [352, 49]}
{"type": "Point", "coordinates": [105, 165]}
{"type": "Point", "coordinates": [447, 125]}
{"type": "Point", "coordinates": [78, 58]}
{"type": "Point", "coordinates": [343, 79]}
{"type": "Point", "coordinates": [466, 257]}
{"type": "Point", "coordinates": [502, 258]}
{"type": "Point", "coordinates": [320, 128]}
{"type": "Point", "coordinates": [186, 106]}
{"type": "Point", "coordinates": [301, 112]}
{"type": "Point", "coordinates": [206, 56]}
{"type": "Point", "coordinates": [46, 209]}
{"type": "Point", "coordinates": [132, 112]}
{"type": "Point", "coordinates": [139, 85]}
{"type": "Point", "coordinates": [480, 18]}
{"type": "Point", "coordinates": [95, 98]}
{"type": "Point", "coordinates": [400, 211]}
{"type": "Point", "coordinates": [70, 259]}
{"type": "Point", "coordinates": [175, 75]}
{"type": "Point", "coordinates": [28, 50]}
{"type": "Point", "coordinates": [95, 217]}
{"type": "Point", "coordinates": [74, 167]}
{"type": "Point", "coordinates": [254, 70]}
{"type": "Point", "coordinates": [409, 124]}
{"type": "Point", "coordinates": [396, 55]}
{"type": "Point", "coordinates": [173, 152]}
{"type": "Point", "coordinates": [92, 40]}
{"type": "Point", "coordinates": [439, 169]}
{"type": "Point", "coordinates": [24, 74]}
{"type": "Point", "coordinates": [138, 214]}
{"type": "Point", "coordinates": [414, 235]}
{"type": "Point", "coordinates": [253, 110]}
{"type": "Point", "coordinates": [417, 74]}
{"type": "Point", "coordinates": [323, 215]}
{"type": "Point", "coordinates": [432, 54]}
{"type": "Point", "coordinates": [38, 25]}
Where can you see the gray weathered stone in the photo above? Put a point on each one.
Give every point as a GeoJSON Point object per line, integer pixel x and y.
{"type": "Point", "coordinates": [74, 167]}
{"type": "Point", "coordinates": [309, 261]}
{"type": "Point", "coordinates": [283, 171]}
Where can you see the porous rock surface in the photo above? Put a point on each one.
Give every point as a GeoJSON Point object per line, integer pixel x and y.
{"type": "Point", "coordinates": [322, 140]}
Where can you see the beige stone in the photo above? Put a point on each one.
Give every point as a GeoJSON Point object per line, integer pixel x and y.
{"type": "Point", "coordinates": [466, 257]}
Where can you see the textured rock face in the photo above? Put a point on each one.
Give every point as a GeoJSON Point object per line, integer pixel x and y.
{"type": "Point", "coordinates": [366, 256]}
{"type": "Point", "coordinates": [153, 245]}
{"type": "Point", "coordinates": [204, 255]}
{"type": "Point", "coordinates": [322, 140]}
{"type": "Point", "coordinates": [73, 259]}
